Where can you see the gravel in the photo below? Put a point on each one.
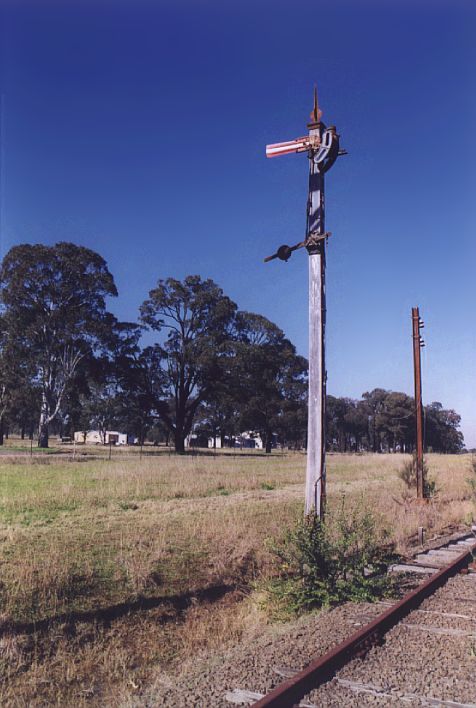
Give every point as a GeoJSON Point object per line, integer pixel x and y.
{"type": "Point", "coordinates": [427, 659]}
{"type": "Point", "coordinates": [254, 665]}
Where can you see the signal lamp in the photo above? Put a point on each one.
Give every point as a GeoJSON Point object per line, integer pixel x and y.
{"type": "Point", "coordinates": [284, 252]}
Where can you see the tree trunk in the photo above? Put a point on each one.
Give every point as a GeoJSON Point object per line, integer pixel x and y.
{"type": "Point", "coordinates": [43, 426]}
{"type": "Point", "coordinates": [1, 430]}
{"type": "Point", "coordinates": [375, 444]}
{"type": "Point", "coordinates": [268, 442]}
{"type": "Point", "coordinates": [341, 440]}
{"type": "Point", "coordinates": [179, 442]}
{"type": "Point", "coordinates": [43, 433]}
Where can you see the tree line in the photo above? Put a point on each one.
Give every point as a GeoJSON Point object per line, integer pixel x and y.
{"type": "Point", "coordinates": [68, 364]}
{"type": "Point", "coordinates": [66, 361]}
{"type": "Point", "coordinates": [384, 421]}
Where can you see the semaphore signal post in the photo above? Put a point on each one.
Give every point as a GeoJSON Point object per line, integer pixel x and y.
{"type": "Point", "coordinates": [322, 148]}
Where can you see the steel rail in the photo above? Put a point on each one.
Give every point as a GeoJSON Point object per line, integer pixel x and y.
{"type": "Point", "coordinates": [291, 691]}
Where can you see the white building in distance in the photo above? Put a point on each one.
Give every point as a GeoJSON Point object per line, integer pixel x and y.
{"type": "Point", "coordinates": [110, 437]}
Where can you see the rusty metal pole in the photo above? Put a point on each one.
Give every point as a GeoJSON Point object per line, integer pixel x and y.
{"type": "Point", "coordinates": [417, 343]}
{"type": "Point", "coordinates": [316, 433]}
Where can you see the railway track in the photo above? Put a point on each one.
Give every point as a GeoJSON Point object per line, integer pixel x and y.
{"type": "Point", "coordinates": [428, 657]}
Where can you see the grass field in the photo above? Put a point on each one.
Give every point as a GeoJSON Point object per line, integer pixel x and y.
{"type": "Point", "coordinates": [114, 570]}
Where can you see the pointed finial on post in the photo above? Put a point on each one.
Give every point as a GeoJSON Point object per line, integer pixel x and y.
{"type": "Point", "coordinates": [316, 113]}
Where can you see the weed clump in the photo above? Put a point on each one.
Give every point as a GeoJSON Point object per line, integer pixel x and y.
{"type": "Point", "coordinates": [343, 558]}
{"type": "Point", "coordinates": [471, 480]}
{"type": "Point", "coordinates": [408, 474]}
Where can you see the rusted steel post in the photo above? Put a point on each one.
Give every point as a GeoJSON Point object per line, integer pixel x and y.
{"type": "Point", "coordinates": [316, 428]}
{"type": "Point", "coordinates": [417, 343]}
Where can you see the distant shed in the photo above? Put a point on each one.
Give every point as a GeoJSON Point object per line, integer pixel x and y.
{"type": "Point", "coordinates": [110, 437]}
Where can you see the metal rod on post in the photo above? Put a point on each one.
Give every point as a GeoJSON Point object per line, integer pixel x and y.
{"type": "Point", "coordinates": [417, 344]}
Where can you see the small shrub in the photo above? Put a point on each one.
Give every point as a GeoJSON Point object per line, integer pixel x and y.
{"type": "Point", "coordinates": [430, 488]}
{"type": "Point", "coordinates": [471, 480]}
{"type": "Point", "coordinates": [267, 486]}
{"type": "Point", "coordinates": [221, 491]}
{"type": "Point", "coordinates": [322, 563]}
{"type": "Point", "coordinates": [408, 475]}
{"type": "Point", "coordinates": [128, 506]}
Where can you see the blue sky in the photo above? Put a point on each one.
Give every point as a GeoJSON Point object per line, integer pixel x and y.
{"type": "Point", "coordinates": [138, 129]}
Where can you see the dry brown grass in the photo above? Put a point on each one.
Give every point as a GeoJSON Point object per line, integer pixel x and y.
{"type": "Point", "coordinates": [374, 481]}
{"type": "Point", "coordinates": [112, 569]}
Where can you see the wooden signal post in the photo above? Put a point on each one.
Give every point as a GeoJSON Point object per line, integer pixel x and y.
{"type": "Point", "coordinates": [418, 343]}
{"type": "Point", "coordinates": [322, 148]}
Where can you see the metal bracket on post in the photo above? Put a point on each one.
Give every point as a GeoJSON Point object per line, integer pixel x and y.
{"type": "Point", "coordinates": [315, 240]}
{"type": "Point", "coordinates": [285, 252]}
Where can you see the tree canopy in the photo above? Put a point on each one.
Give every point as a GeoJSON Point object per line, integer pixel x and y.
{"type": "Point", "coordinates": [385, 421]}
{"type": "Point", "coordinates": [273, 378]}
{"type": "Point", "coordinates": [198, 321]}
{"type": "Point", "coordinates": [54, 312]}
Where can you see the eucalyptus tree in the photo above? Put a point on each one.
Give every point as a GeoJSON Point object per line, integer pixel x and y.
{"type": "Point", "coordinates": [397, 421]}
{"type": "Point", "coordinates": [24, 409]}
{"type": "Point", "coordinates": [219, 417]}
{"type": "Point", "coordinates": [441, 429]}
{"type": "Point", "coordinates": [374, 402]}
{"type": "Point", "coordinates": [385, 420]}
{"type": "Point", "coordinates": [8, 380]}
{"type": "Point", "coordinates": [196, 321]}
{"type": "Point", "coordinates": [103, 393]}
{"type": "Point", "coordinates": [54, 309]}
{"type": "Point", "coordinates": [133, 382]}
{"type": "Point", "coordinates": [272, 376]}
{"type": "Point", "coordinates": [337, 410]}
{"type": "Point", "coordinates": [291, 424]}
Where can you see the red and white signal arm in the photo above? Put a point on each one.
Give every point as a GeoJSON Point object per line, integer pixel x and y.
{"type": "Point", "coordinates": [297, 145]}
{"type": "Point", "coordinates": [309, 142]}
